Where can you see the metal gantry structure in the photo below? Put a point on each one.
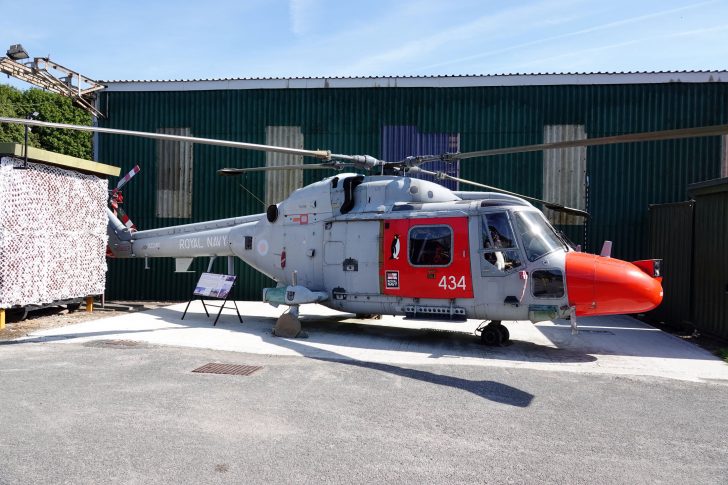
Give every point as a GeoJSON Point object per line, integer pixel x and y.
{"type": "Point", "coordinates": [51, 76]}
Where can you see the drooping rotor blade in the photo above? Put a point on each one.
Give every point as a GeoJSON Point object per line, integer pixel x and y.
{"type": "Point", "coordinates": [366, 162]}
{"type": "Point", "coordinates": [320, 154]}
{"type": "Point", "coordinates": [696, 132]}
{"type": "Point", "coordinates": [308, 166]}
{"type": "Point", "coordinates": [551, 205]}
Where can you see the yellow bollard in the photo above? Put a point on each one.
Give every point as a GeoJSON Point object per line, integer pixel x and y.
{"type": "Point", "coordinates": [2, 318]}
{"type": "Point", "coordinates": [89, 304]}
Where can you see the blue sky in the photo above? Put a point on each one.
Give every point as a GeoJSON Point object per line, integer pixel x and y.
{"type": "Point", "coordinates": [259, 38]}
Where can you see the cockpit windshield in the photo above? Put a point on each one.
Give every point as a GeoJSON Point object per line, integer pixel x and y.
{"type": "Point", "coordinates": [537, 236]}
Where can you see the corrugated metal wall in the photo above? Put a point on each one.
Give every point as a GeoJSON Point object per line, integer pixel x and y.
{"type": "Point", "coordinates": [623, 179]}
{"type": "Point", "coordinates": [280, 183]}
{"type": "Point", "coordinates": [174, 175]}
{"type": "Point", "coordinates": [710, 282]}
{"type": "Point", "coordinates": [564, 177]}
{"type": "Point", "coordinates": [671, 239]}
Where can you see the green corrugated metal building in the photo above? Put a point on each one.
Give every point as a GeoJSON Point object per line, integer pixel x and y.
{"type": "Point", "coordinates": [710, 275]}
{"type": "Point", "coordinates": [377, 116]}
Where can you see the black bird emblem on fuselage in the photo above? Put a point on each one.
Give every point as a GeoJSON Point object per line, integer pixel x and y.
{"type": "Point", "coordinates": [394, 249]}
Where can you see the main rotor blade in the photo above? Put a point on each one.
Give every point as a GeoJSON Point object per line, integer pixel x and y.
{"type": "Point", "coordinates": [308, 166]}
{"type": "Point", "coordinates": [551, 205]}
{"type": "Point", "coordinates": [605, 140]}
{"type": "Point", "coordinates": [320, 154]}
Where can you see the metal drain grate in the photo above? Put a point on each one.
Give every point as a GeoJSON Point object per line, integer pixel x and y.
{"type": "Point", "coordinates": [228, 369]}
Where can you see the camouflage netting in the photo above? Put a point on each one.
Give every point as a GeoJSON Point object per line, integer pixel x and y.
{"type": "Point", "coordinates": [52, 234]}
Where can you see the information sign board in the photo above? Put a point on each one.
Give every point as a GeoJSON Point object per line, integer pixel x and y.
{"type": "Point", "coordinates": [214, 285]}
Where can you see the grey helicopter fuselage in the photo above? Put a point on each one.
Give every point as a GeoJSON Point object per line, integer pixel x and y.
{"type": "Point", "coordinates": [388, 245]}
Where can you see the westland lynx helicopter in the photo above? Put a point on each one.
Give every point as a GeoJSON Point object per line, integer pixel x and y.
{"type": "Point", "coordinates": [396, 245]}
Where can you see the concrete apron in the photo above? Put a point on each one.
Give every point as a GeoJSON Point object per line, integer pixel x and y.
{"type": "Point", "coordinates": [618, 345]}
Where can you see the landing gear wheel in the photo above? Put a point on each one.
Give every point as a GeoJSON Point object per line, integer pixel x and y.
{"type": "Point", "coordinates": [491, 336]}
{"type": "Point", "coordinates": [494, 334]}
{"type": "Point", "coordinates": [505, 334]}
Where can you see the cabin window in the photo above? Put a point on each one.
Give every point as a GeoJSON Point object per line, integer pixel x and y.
{"type": "Point", "coordinates": [499, 250]}
{"type": "Point", "coordinates": [430, 245]}
{"type": "Point", "coordinates": [548, 283]}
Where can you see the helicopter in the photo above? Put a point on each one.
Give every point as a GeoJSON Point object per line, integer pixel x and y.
{"type": "Point", "coordinates": [387, 243]}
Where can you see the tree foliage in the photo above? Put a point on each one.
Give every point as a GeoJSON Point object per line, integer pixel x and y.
{"type": "Point", "coordinates": [50, 107]}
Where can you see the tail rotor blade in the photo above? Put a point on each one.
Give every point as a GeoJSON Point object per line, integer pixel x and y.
{"type": "Point", "coordinates": [124, 180]}
{"type": "Point", "coordinates": [124, 218]}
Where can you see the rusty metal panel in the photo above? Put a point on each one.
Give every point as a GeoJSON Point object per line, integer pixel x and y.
{"type": "Point", "coordinates": [564, 173]}
{"type": "Point", "coordinates": [174, 175]}
{"type": "Point", "coordinates": [671, 239]}
{"type": "Point", "coordinates": [280, 183]}
{"type": "Point", "coordinates": [710, 282]}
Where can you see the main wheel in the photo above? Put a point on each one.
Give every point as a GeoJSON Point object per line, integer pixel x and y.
{"type": "Point", "coordinates": [491, 336]}
{"type": "Point", "coordinates": [505, 334]}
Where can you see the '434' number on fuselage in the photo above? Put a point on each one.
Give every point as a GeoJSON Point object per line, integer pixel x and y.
{"type": "Point", "coordinates": [452, 283]}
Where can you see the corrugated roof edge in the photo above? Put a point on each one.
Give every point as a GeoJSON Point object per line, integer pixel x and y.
{"type": "Point", "coordinates": [654, 77]}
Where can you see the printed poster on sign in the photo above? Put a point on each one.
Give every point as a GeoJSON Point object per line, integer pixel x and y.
{"type": "Point", "coordinates": [214, 285]}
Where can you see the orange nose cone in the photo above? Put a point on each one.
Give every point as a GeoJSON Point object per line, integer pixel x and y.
{"type": "Point", "coordinates": [606, 286]}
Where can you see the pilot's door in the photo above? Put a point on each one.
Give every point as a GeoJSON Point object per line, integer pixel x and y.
{"type": "Point", "coordinates": [500, 258]}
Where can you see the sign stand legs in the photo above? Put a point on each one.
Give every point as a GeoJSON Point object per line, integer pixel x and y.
{"type": "Point", "coordinates": [214, 286]}
{"type": "Point", "coordinates": [188, 306]}
{"type": "Point", "coordinates": [223, 306]}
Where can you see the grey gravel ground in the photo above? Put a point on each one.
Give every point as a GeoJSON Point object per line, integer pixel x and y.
{"type": "Point", "coordinates": [125, 412]}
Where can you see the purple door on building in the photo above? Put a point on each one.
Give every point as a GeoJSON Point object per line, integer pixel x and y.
{"type": "Point", "coordinates": [399, 142]}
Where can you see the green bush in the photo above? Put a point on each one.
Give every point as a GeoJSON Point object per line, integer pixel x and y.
{"type": "Point", "coordinates": [51, 107]}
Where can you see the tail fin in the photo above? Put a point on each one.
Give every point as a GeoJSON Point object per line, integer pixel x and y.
{"type": "Point", "coordinates": [119, 237]}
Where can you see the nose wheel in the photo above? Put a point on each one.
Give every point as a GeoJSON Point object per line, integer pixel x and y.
{"type": "Point", "coordinates": [493, 334]}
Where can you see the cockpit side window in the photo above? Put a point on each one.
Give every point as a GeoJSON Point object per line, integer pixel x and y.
{"type": "Point", "coordinates": [499, 249]}
{"type": "Point", "coordinates": [497, 231]}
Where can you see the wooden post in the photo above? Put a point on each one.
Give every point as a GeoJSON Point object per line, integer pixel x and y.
{"type": "Point", "coordinates": [89, 304]}
{"type": "Point", "coordinates": [2, 318]}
